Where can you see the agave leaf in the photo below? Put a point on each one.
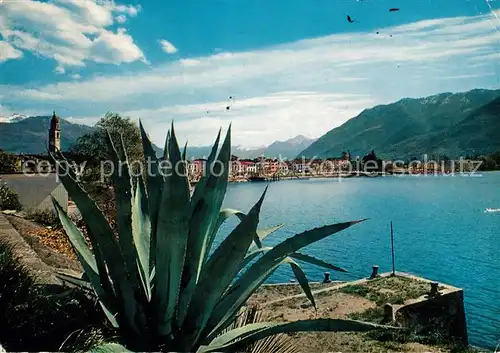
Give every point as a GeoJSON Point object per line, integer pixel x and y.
{"type": "Point", "coordinates": [251, 256]}
{"type": "Point", "coordinates": [199, 190]}
{"type": "Point", "coordinates": [184, 152]}
{"type": "Point", "coordinates": [302, 279]}
{"type": "Point", "coordinates": [123, 196]}
{"type": "Point", "coordinates": [204, 216]}
{"type": "Point", "coordinates": [57, 157]}
{"type": "Point", "coordinates": [238, 338]}
{"type": "Point", "coordinates": [262, 269]}
{"type": "Point", "coordinates": [218, 274]}
{"type": "Point", "coordinates": [106, 247]}
{"type": "Point", "coordinates": [154, 187]}
{"type": "Point", "coordinates": [76, 281]}
{"type": "Point", "coordinates": [314, 261]}
{"type": "Point", "coordinates": [109, 348]}
{"type": "Point", "coordinates": [172, 236]}
{"type": "Point", "coordinates": [221, 318]}
{"type": "Point", "coordinates": [77, 240]}
{"type": "Point", "coordinates": [141, 230]}
{"type": "Point", "coordinates": [109, 315]}
{"type": "Point", "coordinates": [165, 149]}
{"type": "Point", "coordinates": [224, 214]}
{"type": "Point", "coordinates": [263, 233]}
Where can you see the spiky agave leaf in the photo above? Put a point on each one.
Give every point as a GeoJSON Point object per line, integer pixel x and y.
{"type": "Point", "coordinates": [154, 186]}
{"type": "Point", "coordinates": [109, 348]}
{"type": "Point", "coordinates": [315, 261]}
{"type": "Point", "coordinates": [172, 235]}
{"type": "Point", "coordinates": [141, 232]}
{"type": "Point", "coordinates": [204, 210]}
{"type": "Point", "coordinates": [108, 255]}
{"type": "Point", "coordinates": [223, 263]}
{"type": "Point", "coordinates": [280, 343]}
{"type": "Point", "coordinates": [123, 198]}
{"type": "Point", "coordinates": [234, 340]}
{"type": "Point", "coordinates": [302, 279]}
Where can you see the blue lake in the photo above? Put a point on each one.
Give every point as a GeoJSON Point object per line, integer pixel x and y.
{"type": "Point", "coordinates": [441, 231]}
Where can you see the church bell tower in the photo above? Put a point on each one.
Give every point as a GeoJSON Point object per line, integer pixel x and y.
{"type": "Point", "coordinates": [55, 134]}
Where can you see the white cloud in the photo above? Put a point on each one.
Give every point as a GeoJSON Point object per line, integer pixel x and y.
{"type": "Point", "coordinates": [121, 19]}
{"type": "Point", "coordinates": [115, 48]}
{"type": "Point", "coordinates": [69, 31]}
{"type": "Point", "coordinates": [8, 52]}
{"type": "Point", "coordinates": [275, 112]}
{"type": "Point", "coordinates": [76, 76]}
{"type": "Point", "coordinates": [466, 76]}
{"type": "Point", "coordinates": [189, 62]}
{"type": "Point", "coordinates": [130, 10]}
{"type": "Point", "coordinates": [167, 46]}
{"type": "Point", "coordinates": [59, 70]}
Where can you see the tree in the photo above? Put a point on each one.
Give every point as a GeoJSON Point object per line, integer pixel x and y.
{"type": "Point", "coordinates": [94, 144]}
{"type": "Point", "coordinates": [92, 149]}
{"type": "Point", "coordinates": [8, 162]}
{"type": "Point", "coordinates": [372, 162]}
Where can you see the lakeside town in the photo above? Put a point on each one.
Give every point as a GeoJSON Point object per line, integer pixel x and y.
{"type": "Point", "coordinates": [273, 169]}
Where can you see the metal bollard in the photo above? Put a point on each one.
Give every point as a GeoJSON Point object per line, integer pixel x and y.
{"type": "Point", "coordinates": [327, 278]}
{"type": "Point", "coordinates": [374, 272]}
{"type": "Point", "coordinates": [434, 289]}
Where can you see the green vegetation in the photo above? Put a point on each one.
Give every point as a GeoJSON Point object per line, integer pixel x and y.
{"type": "Point", "coordinates": [44, 318]}
{"type": "Point", "coordinates": [92, 147]}
{"type": "Point", "coordinates": [9, 199]}
{"type": "Point", "coordinates": [449, 124]}
{"type": "Point", "coordinates": [490, 162]}
{"type": "Point", "coordinates": [8, 163]}
{"type": "Point", "coordinates": [159, 282]}
{"type": "Point", "coordinates": [395, 338]}
{"type": "Point", "coordinates": [392, 290]}
{"type": "Point", "coordinates": [44, 217]}
{"type": "Point", "coordinates": [370, 315]}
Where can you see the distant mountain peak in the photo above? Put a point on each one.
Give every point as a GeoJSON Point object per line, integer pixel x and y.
{"type": "Point", "coordinates": [14, 118]}
{"type": "Point", "coordinates": [298, 139]}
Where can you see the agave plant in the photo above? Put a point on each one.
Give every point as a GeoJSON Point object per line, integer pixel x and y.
{"type": "Point", "coordinates": [161, 281]}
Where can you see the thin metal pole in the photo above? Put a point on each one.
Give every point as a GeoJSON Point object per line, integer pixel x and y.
{"type": "Point", "coordinates": [392, 246]}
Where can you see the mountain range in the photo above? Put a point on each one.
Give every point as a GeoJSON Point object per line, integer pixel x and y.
{"type": "Point", "coordinates": [278, 149]}
{"type": "Point", "coordinates": [21, 134]}
{"type": "Point", "coordinates": [446, 124]}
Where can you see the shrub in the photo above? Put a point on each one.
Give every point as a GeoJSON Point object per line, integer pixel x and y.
{"type": "Point", "coordinates": [38, 317]}
{"type": "Point", "coordinates": [159, 281]}
{"type": "Point", "coordinates": [44, 217]}
{"type": "Point", "coordinates": [8, 198]}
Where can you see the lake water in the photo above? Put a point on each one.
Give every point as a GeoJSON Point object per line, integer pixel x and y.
{"type": "Point", "coordinates": [441, 227]}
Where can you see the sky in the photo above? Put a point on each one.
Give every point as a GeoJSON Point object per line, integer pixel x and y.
{"type": "Point", "coordinates": [283, 67]}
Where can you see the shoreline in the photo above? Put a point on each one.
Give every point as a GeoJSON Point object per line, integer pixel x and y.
{"type": "Point", "coordinates": [351, 175]}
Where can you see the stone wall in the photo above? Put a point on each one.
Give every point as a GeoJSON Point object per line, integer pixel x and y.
{"type": "Point", "coordinates": [443, 314]}
{"type": "Point", "coordinates": [24, 255]}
